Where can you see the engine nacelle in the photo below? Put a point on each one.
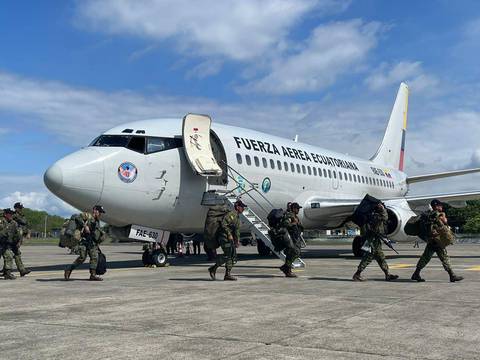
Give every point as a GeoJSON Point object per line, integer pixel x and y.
{"type": "Point", "coordinates": [399, 212]}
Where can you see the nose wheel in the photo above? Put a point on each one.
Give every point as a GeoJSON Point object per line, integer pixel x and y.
{"type": "Point", "coordinates": [154, 254]}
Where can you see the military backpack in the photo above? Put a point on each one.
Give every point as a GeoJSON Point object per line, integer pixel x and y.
{"type": "Point", "coordinates": [213, 221]}
{"type": "Point", "coordinates": [70, 234]}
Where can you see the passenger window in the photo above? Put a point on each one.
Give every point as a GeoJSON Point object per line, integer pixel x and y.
{"type": "Point", "coordinates": [324, 173]}
{"type": "Point", "coordinates": [314, 171]}
{"type": "Point", "coordinates": [334, 174]}
{"type": "Point", "coordinates": [319, 172]}
{"type": "Point", "coordinates": [279, 165]}
{"type": "Point", "coordinates": [340, 175]}
{"type": "Point", "coordinates": [345, 175]}
{"type": "Point", "coordinates": [239, 159]}
{"type": "Point", "coordinates": [264, 162]}
{"type": "Point", "coordinates": [309, 170]}
{"type": "Point", "coordinates": [137, 143]}
{"type": "Point", "coordinates": [156, 144]}
{"type": "Point", "coordinates": [303, 169]}
{"type": "Point", "coordinates": [272, 164]}
{"type": "Point", "coordinates": [248, 160]}
{"type": "Point", "coordinates": [257, 161]}
{"type": "Point", "coordinates": [330, 174]}
{"type": "Point", "coordinates": [350, 177]}
{"type": "Point", "coordinates": [285, 165]}
{"type": "Point", "coordinates": [354, 178]}
{"type": "Point", "coordinates": [292, 167]}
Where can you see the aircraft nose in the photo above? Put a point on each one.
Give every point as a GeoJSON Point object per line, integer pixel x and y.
{"type": "Point", "coordinates": [77, 178]}
{"type": "Point", "coordinates": [53, 178]}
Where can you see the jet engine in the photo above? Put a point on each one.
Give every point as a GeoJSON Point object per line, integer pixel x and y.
{"type": "Point", "coordinates": [399, 212]}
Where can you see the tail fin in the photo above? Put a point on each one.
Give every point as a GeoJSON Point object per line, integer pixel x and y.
{"type": "Point", "coordinates": [392, 150]}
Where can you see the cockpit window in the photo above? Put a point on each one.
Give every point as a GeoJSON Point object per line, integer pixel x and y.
{"type": "Point", "coordinates": [137, 143]}
{"type": "Point", "coordinates": [141, 144]}
{"type": "Point", "coordinates": [112, 141]}
{"type": "Point", "coordinates": [156, 144]}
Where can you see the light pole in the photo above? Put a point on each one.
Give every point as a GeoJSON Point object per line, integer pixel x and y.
{"type": "Point", "coordinates": [45, 227]}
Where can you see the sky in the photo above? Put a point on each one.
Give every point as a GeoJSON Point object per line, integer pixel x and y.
{"type": "Point", "coordinates": [327, 70]}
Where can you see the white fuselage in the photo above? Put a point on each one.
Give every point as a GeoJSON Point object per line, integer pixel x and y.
{"type": "Point", "coordinates": [166, 193]}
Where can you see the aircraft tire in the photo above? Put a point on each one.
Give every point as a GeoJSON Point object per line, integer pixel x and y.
{"type": "Point", "coordinates": [357, 246]}
{"type": "Point", "coordinates": [262, 249]}
{"type": "Point", "coordinates": [159, 258]}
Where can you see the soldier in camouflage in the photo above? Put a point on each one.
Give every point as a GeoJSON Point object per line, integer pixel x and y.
{"type": "Point", "coordinates": [292, 223]}
{"type": "Point", "coordinates": [9, 237]}
{"type": "Point", "coordinates": [432, 247]}
{"type": "Point", "coordinates": [22, 223]}
{"type": "Point", "coordinates": [374, 230]}
{"type": "Point", "coordinates": [91, 236]}
{"type": "Point", "coordinates": [228, 238]}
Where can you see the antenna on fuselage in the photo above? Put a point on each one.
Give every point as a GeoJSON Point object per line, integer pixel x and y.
{"type": "Point", "coordinates": [296, 138]}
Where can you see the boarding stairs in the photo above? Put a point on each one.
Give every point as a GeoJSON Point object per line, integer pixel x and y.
{"type": "Point", "coordinates": [255, 223]}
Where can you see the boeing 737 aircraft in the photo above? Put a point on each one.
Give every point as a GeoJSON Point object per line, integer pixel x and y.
{"type": "Point", "coordinates": [160, 175]}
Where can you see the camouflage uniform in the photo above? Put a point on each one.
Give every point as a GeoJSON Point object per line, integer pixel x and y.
{"type": "Point", "coordinates": [292, 223]}
{"type": "Point", "coordinates": [89, 243]}
{"type": "Point", "coordinates": [376, 227]}
{"type": "Point", "coordinates": [9, 237]}
{"type": "Point", "coordinates": [23, 231]}
{"type": "Point", "coordinates": [433, 247]}
{"type": "Point", "coordinates": [229, 228]}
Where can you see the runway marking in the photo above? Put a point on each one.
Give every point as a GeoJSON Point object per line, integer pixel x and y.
{"type": "Point", "coordinates": [401, 266]}
{"type": "Point", "coordinates": [474, 268]}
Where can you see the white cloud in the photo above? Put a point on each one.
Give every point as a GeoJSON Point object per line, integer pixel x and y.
{"type": "Point", "coordinates": [332, 50]}
{"type": "Point", "coordinates": [205, 69]}
{"type": "Point", "coordinates": [475, 161]}
{"type": "Point", "coordinates": [38, 201]}
{"type": "Point", "coordinates": [239, 30]}
{"type": "Point", "coordinates": [410, 72]}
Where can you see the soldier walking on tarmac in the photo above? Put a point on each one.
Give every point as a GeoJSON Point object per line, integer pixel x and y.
{"type": "Point", "coordinates": [9, 237]}
{"type": "Point", "coordinates": [438, 236]}
{"type": "Point", "coordinates": [375, 229]}
{"type": "Point", "coordinates": [91, 237]}
{"type": "Point", "coordinates": [228, 239]}
{"type": "Point", "coordinates": [22, 223]}
{"type": "Point", "coordinates": [292, 223]}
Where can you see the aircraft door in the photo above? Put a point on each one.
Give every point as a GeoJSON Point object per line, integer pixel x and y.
{"type": "Point", "coordinates": [198, 149]}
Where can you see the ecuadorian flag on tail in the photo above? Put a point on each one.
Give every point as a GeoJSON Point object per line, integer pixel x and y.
{"type": "Point", "coordinates": [391, 152]}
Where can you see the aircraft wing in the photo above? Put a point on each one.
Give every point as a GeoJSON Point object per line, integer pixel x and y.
{"type": "Point", "coordinates": [454, 199]}
{"type": "Point", "coordinates": [428, 177]}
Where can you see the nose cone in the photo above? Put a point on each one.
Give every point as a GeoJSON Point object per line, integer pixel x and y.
{"type": "Point", "coordinates": [77, 178]}
{"type": "Point", "coordinates": [53, 178]}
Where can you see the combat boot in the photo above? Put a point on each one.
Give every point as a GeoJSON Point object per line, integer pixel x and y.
{"type": "Point", "coordinates": [390, 277]}
{"type": "Point", "coordinates": [284, 268]}
{"type": "Point", "coordinates": [290, 274]}
{"type": "Point", "coordinates": [67, 274]}
{"type": "Point", "coordinates": [454, 278]}
{"type": "Point", "coordinates": [212, 270]}
{"type": "Point", "coordinates": [25, 272]}
{"type": "Point", "coordinates": [416, 276]}
{"type": "Point", "coordinates": [8, 275]}
{"type": "Point", "coordinates": [358, 277]}
{"type": "Point", "coordinates": [94, 277]}
{"type": "Point", "coordinates": [228, 276]}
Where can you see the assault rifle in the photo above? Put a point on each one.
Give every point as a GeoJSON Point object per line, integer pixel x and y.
{"type": "Point", "coordinates": [388, 242]}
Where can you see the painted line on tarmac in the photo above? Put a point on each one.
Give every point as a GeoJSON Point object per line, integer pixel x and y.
{"type": "Point", "coordinates": [474, 268]}
{"type": "Point", "coordinates": [401, 266]}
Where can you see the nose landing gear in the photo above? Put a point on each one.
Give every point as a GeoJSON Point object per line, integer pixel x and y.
{"type": "Point", "coordinates": [154, 254]}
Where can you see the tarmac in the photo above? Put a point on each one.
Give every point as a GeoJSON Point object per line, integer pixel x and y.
{"type": "Point", "coordinates": [177, 312]}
